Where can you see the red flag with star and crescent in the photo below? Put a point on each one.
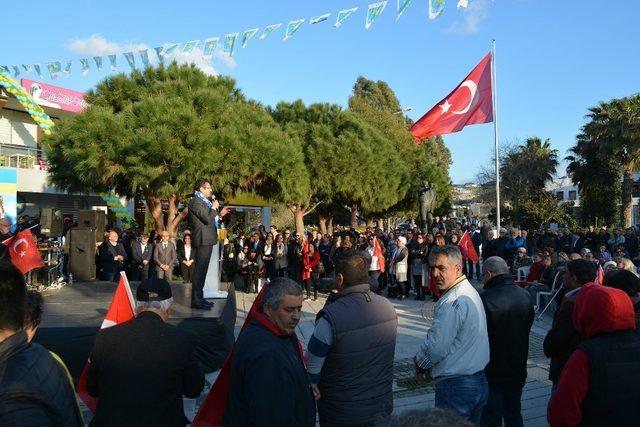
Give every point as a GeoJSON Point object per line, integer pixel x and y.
{"type": "Point", "coordinates": [24, 252]}
{"type": "Point", "coordinates": [470, 103]}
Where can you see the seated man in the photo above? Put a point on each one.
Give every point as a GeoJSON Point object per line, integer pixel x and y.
{"type": "Point", "coordinates": [140, 369]}
{"type": "Point", "coordinates": [34, 388]}
{"type": "Point", "coordinates": [521, 260]}
{"type": "Point", "coordinates": [545, 282]}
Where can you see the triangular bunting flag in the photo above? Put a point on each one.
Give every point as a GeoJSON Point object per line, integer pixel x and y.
{"type": "Point", "coordinates": [84, 65]}
{"type": "Point", "coordinates": [402, 6]}
{"type": "Point", "coordinates": [55, 68]}
{"type": "Point", "coordinates": [168, 51]}
{"type": "Point", "coordinates": [144, 57]}
{"type": "Point", "coordinates": [230, 43]}
{"type": "Point", "coordinates": [269, 29]}
{"type": "Point", "coordinates": [292, 28]}
{"type": "Point", "coordinates": [159, 52]}
{"type": "Point", "coordinates": [318, 19]}
{"type": "Point", "coordinates": [210, 45]}
{"type": "Point", "coordinates": [374, 10]}
{"type": "Point", "coordinates": [343, 15]}
{"type": "Point", "coordinates": [112, 61]}
{"type": "Point", "coordinates": [462, 3]}
{"type": "Point", "coordinates": [16, 70]}
{"type": "Point", "coordinates": [436, 7]}
{"type": "Point", "coordinates": [38, 70]}
{"type": "Point", "coordinates": [189, 46]}
{"type": "Point", "coordinates": [26, 68]}
{"type": "Point", "coordinates": [248, 35]}
{"type": "Point", "coordinates": [98, 61]}
{"type": "Point", "coordinates": [130, 59]}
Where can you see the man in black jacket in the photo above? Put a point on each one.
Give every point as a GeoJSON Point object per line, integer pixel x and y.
{"type": "Point", "coordinates": [141, 253]}
{"type": "Point", "coordinates": [509, 319]}
{"type": "Point", "coordinates": [111, 255]}
{"type": "Point", "coordinates": [203, 221]}
{"type": "Point", "coordinates": [34, 388]}
{"type": "Point", "coordinates": [269, 385]}
{"type": "Point", "coordinates": [140, 369]}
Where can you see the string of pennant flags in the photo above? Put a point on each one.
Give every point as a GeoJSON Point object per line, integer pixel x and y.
{"type": "Point", "coordinates": [228, 44]}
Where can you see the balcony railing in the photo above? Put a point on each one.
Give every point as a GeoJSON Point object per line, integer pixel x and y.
{"type": "Point", "coordinates": [22, 157]}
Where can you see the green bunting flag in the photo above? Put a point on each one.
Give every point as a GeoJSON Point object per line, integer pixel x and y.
{"type": "Point", "coordinates": [4, 69]}
{"type": "Point", "coordinates": [98, 61]}
{"type": "Point", "coordinates": [343, 15]}
{"type": "Point", "coordinates": [67, 68]}
{"type": "Point", "coordinates": [248, 35]}
{"type": "Point", "coordinates": [436, 7]}
{"type": "Point", "coordinates": [318, 19]}
{"type": "Point", "coordinates": [84, 64]}
{"type": "Point", "coordinates": [144, 57]}
{"type": "Point", "coordinates": [16, 70]}
{"type": "Point", "coordinates": [374, 10]}
{"type": "Point", "coordinates": [230, 43]}
{"type": "Point", "coordinates": [112, 61]}
{"type": "Point", "coordinates": [402, 6]}
{"type": "Point", "coordinates": [189, 46]}
{"type": "Point", "coordinates": [269, 29]}
{"type": "Point", "coordinates": [159, 52]}
{"type": "Point", "coordinates": [462, 3]}
{"type": "Point", "coordinates": [54, 69]}
{"type": "Point", "coordinates": [210, 45]}
{"type": "Point", "coordinates": [292, 27]}
{"type": "Point", "coordinates": [168, 51]}
{"type": "Point", "coordinates": [26, 68]}
{"type": "Point", "coordinates": [130, 59]}
{"type": "Point", "coordinates": [38, 70]}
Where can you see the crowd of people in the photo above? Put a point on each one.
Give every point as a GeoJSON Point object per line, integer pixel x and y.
{"type": "Point", "coordinates": [475, 353]}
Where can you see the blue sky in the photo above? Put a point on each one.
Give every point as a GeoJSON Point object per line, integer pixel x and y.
{"type": "Point", "coordinates": [554, 58]}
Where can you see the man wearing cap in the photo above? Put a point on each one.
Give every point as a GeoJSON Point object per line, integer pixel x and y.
{"type": "Point", "coordinates": [140, 369]}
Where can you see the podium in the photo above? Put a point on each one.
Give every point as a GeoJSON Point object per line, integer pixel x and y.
{"type": "Point", "coordinates": [214, 272]}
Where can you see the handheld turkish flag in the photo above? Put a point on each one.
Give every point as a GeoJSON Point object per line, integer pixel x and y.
{"type": "Point", "coordinates": [470, 103]}
{"type": "Point", "coordinates": [121, 310]}
{"type": "Point", "coordinates": [23, 251]}
{"type": "Point", "coordinates": [600, 276]}
{"type": "Point", "coordinates": [466, 243]}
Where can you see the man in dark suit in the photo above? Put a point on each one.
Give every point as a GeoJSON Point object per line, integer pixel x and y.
{"type": "Point", "coordinates": [203, 221]}
{"type": "Point", "coordinates": [144, 384]}
{"type": "Point", "coordinates": [164, 256]}
{"type": "Point", "coordinates": [141, 254]}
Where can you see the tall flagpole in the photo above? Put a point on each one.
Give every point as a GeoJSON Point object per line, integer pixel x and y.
{"type": "Point", "coordinates": [494, 99]}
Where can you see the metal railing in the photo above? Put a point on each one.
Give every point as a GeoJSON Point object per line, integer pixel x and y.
{"type": "Point", "coordinates": [22, 157]}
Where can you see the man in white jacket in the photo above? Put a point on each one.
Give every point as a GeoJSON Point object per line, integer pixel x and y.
{"type": "Point", "coordinates": [456, 348]}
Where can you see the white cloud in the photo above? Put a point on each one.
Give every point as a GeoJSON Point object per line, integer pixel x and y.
{"type": "Point", "coordinates": [97, 45]}
{"type": "Point", "coordinates": [473, 16]}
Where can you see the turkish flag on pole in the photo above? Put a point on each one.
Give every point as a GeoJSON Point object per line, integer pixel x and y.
{"type": "Point", "coordinates": [466, 243]}
{"type": "Point", "coordinates": [470, 103]}
{"type": "Point", "coordinates": [23, 251]}
{"type": "Point", "coordinates": [121, 310]}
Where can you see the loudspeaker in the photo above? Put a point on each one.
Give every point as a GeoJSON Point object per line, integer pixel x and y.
{"type": "Point", "coordinates": [82, 253]}
{"type": "Point", "coordinates": [93, 219]}
{"type": "Point", "coordinates": [51, 222]}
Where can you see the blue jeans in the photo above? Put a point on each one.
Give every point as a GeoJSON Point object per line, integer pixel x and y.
{"type": "Point", "coordinates": [503, 405]}
{"type": "Point", "coordinates": [465, 395]}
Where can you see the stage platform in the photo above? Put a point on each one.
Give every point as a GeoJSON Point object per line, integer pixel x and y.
{"type": "Point", "coordinates": [73, 315]}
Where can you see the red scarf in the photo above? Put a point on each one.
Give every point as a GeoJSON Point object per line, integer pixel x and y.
{"type": "Point", "coordinates": [211, 412]}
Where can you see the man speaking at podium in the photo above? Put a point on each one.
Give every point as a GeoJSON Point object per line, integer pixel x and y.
{"type": "Point", "coordinates": [203, 219]}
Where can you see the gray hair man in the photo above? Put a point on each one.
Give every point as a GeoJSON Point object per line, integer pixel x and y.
{"type": "Point", "coordinates": [269, 384]}
{"type": "Point", "coordinates": [456, 348]}
{"type": "Point", "coordinates": [509, 319]}
{"type": "Point", "coordinates": [350, 355]}
{"type": "Point", "coordinates": [141, 369]}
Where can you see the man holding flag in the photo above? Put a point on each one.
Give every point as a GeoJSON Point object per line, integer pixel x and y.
{"type": "Point", "coordinates": [140, 369]}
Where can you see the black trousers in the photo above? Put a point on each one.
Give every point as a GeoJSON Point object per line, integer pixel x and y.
{"type": "Point", "coordinates": [502, 406]}
{"type": "Point", "coordinates": [203, 256]}
{"type": "Point", "coordinates": [187, 272]}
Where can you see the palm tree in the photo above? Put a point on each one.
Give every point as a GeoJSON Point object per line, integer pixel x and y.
{"type": "Point", "coordinates": [616, 126]}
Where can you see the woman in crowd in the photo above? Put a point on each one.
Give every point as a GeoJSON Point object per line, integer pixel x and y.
{"type": "Point", "coordinates": [400, 269]}
{"type": "Point", "coordinates": [280, 261]}
{"type": "Point", "coordinates": [418, 266]}
{"type": "Point", "coordinates": [267, 253]}
{"type": "Point", "coordinates": [310, 274]}
{"type": "Point", "coordinates": [186, 258]}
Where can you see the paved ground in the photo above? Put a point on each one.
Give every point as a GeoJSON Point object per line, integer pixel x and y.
{"type": "Point", "coordinates": [414, 320]}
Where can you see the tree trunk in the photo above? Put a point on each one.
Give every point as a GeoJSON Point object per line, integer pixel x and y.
{"type": "Point", "coordinates": [330, 226]}
{"type": "Point", "coordinates": [627, 188]}
{"type": "Point", "coordinates": [381, 223]}
{"type": "Point", "coordinates": [369, 222]}
{"type": "Point", "coordinates": [175, 217]}
{"type": "Point", "coordinates": [322, 222]}
{"type": "Point", "coordinates": [298, 214]}
{"type": "Point", "coordinates": [353, 217]}
{"type": "Point", "coordinates": [154, 204]}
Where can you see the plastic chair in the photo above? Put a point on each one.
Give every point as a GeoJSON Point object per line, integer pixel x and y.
{"type": "Point", "coordinates": [523, 272]}
{"type": "Point", "coordinates": [552, 291]}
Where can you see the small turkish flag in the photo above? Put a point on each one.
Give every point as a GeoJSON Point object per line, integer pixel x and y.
{"type": "Point", "coordinates": [121, 310]}
{"type": "Point", "coordinates": [23, 251]}
{"type": "Point", "coordinates": [470, 103]}
{"type": "Point", "coordinates": [466, 244]}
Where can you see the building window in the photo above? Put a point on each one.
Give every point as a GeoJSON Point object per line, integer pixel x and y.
{"type": "Point", "coordinates": [573, 195]}
{"type": "Point", "coordinates": [560, 195]}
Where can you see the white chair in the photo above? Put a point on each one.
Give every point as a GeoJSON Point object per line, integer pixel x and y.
{"type": "Point", "coordinates": [523, 272]}
{"type": "Point", "coordinates": [557, 281]}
